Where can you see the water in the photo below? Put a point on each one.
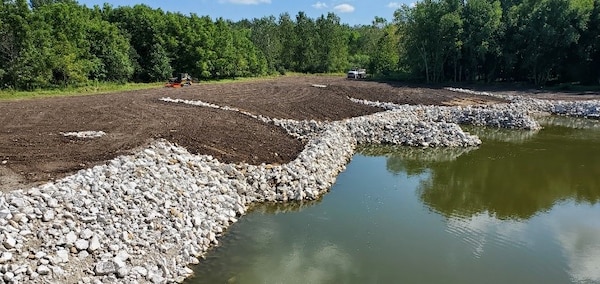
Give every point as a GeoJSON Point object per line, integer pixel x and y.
{"type": "Point", "coordinates": [522, 208]}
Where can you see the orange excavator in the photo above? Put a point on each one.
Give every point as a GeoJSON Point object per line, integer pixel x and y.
{"type": "Point", "coordinates": [183, 79]}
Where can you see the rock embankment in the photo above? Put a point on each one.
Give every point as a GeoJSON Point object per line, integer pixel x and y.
{"type": "Point", "coordinates": [587, 108]}
{"type": "Point", "coordinates": [147, 217]}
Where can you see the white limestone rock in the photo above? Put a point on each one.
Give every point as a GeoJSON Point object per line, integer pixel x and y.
{"type": "Point", "coordinates": [105, 267]}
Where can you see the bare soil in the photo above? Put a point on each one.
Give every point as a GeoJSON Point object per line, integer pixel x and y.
{"type": "Point", "coordinates": [33, 151]}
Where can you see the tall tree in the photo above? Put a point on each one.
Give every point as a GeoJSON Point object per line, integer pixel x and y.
{"type": "Point", "coordinates": [289, 41]}
{"type": "Point", "coordinates": [482, 20]}
{"type": "Point", "coordinates": [583, 58]}
{"type": "Point", "coordinates": [544, 35]}
{"type": "Point", "coordinates": [146, 30]}
{"type": "Point", "coordinates": [363, 41]}
{"type": "Point", "coordinates": [332, 51]}
{"type": "Point", "coordinates": [431, 36]}
{"type": "Point", "coordinates": [224, 66]}
{"type": "Point", "coordinates": [305, 54]}
{"type": "Point", "coordinates": [159, 64]}
{"type": "Point", "coordinates": [266, 38]}
{"type": "Point", "coordinates": [386, 57]}
{"type": "Point", "coordinates": [14, 35]}
{"type": "Point", "coordinates": [592, 52]}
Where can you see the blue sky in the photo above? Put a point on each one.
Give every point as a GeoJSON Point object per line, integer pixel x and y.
{"type": "Point", "coordinates": [352, 12]}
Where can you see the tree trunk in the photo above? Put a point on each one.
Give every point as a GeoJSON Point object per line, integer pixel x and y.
{"type": "Point", "coordinates": [424, 56]}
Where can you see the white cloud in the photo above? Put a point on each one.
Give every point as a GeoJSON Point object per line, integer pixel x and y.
{"type": "Point", "coordinates": [394, 5]}
{"type": "Point", "coordinates": [246, 2]}
{"type": "Point", "coordinates": [483, 230]}
{"type": "Point", "coordinates": [344, 8]}
{"type": "Point", "coordinates": [580, 240]}
{"type": "Point", "coordinates": [319, 5]}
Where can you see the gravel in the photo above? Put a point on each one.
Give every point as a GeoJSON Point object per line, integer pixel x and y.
{"type": "Point", "coordinates": [586, 109]}
{"type": "Point", "coordinates": [84, 134]}
{"type": "Point", "coordinates": [146, 217]}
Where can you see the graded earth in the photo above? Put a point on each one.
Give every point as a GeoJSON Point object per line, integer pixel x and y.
{"type": "Point", "coordinates": [33, 151]}
{"type": "Point", "coordinates": [108, 187]}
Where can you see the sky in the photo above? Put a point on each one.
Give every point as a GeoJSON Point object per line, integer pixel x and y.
{"type": "Point", "coordinates": [352, 12]}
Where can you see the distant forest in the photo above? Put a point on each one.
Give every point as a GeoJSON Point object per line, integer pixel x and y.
{"type": "Point", "coordinates": [53, 43]}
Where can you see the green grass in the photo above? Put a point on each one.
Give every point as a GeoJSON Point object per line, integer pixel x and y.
{"type": "Point", "coordinates": [98, 88]}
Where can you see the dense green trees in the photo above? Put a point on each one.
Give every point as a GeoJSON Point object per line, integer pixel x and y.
{"type": "Point", "coordinates": [59, 43]}
{"type": "Point", "coordinates": [482, 31]}
{"type": "Point", "coordinates": [430, 31]}
{"type": "Point", "coordinates": [46, 43]}
{"type": "Point", "coordinates": [385, 55]}
{"type": "Point", "coordinates": [14, 30]}
{"type": "Point", "coordinates": [531, 40]}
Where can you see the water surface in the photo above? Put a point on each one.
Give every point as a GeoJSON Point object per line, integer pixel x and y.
{"type": "Point", "coordinates": [522, 208]}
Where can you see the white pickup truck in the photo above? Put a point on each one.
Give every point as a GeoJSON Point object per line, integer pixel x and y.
{"type": "Point", "coordinates": [356, 73]}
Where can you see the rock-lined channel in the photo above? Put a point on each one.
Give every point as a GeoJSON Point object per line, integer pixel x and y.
{"type": "Point", "coordinates": [146, 217]}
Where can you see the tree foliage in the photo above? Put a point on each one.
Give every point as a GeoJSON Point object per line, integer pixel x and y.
{"type": "Point", "coordinates": [532, 40]}
{"type": "Point", "coordinates": [48, 43]}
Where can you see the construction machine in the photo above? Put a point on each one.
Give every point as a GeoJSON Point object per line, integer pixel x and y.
{"type": "Point", "coordinates": [357, 73]}
{"type": "Point", "coordinates": [182, 79]}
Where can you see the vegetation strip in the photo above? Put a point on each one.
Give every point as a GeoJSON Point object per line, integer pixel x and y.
{"type": "Point", "coordinates": [46, 44]}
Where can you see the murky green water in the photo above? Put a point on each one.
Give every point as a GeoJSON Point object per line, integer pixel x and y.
{"type": "Point", "coordinates": [522, 208]}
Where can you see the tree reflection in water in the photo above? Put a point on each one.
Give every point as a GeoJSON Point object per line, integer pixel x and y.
{"type": "Point", "coordinates": [508, 177]}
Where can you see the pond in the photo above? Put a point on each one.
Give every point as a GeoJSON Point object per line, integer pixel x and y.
{"type": "Point", "coordinates": [522, 208]}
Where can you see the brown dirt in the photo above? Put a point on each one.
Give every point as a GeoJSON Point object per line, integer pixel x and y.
{"type": "Point", "coordinates": [32, 150]}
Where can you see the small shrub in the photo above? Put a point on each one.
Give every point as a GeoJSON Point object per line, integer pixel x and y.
{"type": "Point", "coordinates": [281, 70]}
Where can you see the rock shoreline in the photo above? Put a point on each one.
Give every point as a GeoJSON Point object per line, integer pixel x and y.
{"type": "Point", "coordinates": [144, 218]}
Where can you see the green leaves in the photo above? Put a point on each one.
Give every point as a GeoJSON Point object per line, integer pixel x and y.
{"type": "Point", "coordinates": [432, 33]}
{"type": "Point", "coordinates": [535, 40]}
{"type": "Point", "coordinates": [46, 43]}
{"type": "Point", "coordinates": [482, 23]}
{"type": "Point", "coordinates": [386, 57]}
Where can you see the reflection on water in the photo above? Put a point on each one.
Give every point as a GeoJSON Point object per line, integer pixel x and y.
{"type": "Point", "coordinates": [511, 211]}
{"type": "Point", "coordinates": [411, 159]}
{"type": "Point", "coordinates": [579, 236]}
{"type": "Point", "coordinates": [297, 263]}
{"type": "Point", "coordinates": [482, 229]}
{"type": "Point", "coordinates": [501, 134]}
{"type": "Point", "coordinates": [279, 208]}
{"type": "Point", "coordinates": [570, 122]}
{"type": "Point", "coordinates": [445, 154]}
{"type": "Point", "coordinates": [517, 180]}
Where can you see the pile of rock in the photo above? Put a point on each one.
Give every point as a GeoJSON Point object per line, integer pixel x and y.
{"type": "Point", "coordinates": [587, 108]}
{"type": "Point", "coordinates": [509, 116]}
{"type": "Point", "coordinates": [144, 218]}
{"type": "Point", "coordinates": [84, 134]}
{"type": "Point", "coordinates": [398, 127]}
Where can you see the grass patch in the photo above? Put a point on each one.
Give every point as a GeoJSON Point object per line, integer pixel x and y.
{"type": "Point", "coordinates": [99, 88]}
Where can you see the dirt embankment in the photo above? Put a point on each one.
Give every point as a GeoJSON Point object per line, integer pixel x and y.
{"type": "Point", "coordinates": [32, 149]}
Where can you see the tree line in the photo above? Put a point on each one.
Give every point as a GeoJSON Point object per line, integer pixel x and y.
{"type": "Point", "coordinates": [489, 40]}
{"type": "Point", "coordinates": [49, 43]}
